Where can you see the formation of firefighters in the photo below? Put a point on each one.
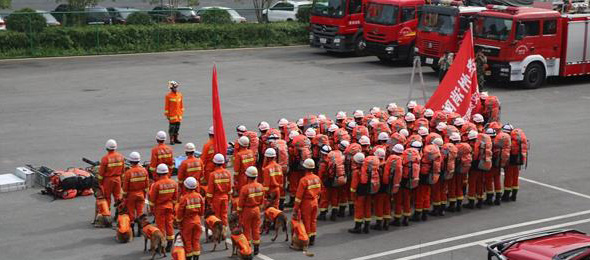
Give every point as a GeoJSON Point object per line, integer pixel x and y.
{"type": "Point", "coordinates": [388, 166]}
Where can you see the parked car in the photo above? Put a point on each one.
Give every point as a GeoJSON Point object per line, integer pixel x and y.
{"type": "Point", "coordinates": [119, 14]}
{"type": "Point", "coordinates": [563, 244]}
{"type": "Point", "coordinates": [284, 11]}
{"type": "Point", "coordinates": [178, 15]}
{"type": "Point", "coordinates": [235, 16]}
{"type": "Point", "coordinates": [92, 14]}
{"type": "Point", "coordinates": [2, 24]}
{"type": "Point", "coordinates": [49, 19]}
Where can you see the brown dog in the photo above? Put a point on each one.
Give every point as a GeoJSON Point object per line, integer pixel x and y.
{"type": "Point", "coordinates": [277, 219]}
{"type": "Point", "coordinates": [154, 235]}
{"type": "Point", "coordinates": [216, 226]}
{"type": "Point", "coordinates": [240, 245]}
{"type": "Point", "coordinates": [299, 238]}
{"type": "Point", "coordinates": [102, 212]}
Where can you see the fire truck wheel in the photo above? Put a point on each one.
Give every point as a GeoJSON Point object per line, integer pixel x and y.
{"type": "Point", "coordinates": [384, 59]}
{"type": "Point", "coordinates": [534, 75]}
{"type": "Point", "coordinates": [359, 46]}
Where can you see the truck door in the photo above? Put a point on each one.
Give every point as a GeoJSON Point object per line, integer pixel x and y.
{"type": "Point", "coordinates": [355, 9]}
{"type": "Point", "coordinates": [408, 25]}
{"type": "Point", "coordinates": [550, 46]}
{"type": "Point", "coordinates": [528, 39]}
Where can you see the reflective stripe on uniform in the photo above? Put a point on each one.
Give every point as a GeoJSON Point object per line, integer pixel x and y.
{"type": "Point", "coordinates": [115, 164]}
{"type": "Point", "coordinates": [256, 194]}
{"type": "Point", "coordinates": [136, 179]}
{"type": "Point", "coordinates": [193, 169]}
{"type": "Point", "coordinates": [164, 156]}
{"type": "Point", "coordinates": [193, 206]}
{"type": "Point", "coordinates": [275, 173]}
{"type": "Point", "coordinates": [221, 181]}
{"type": "Point", "coordinates": [313, 186]}
{"type": "Point", "coordinates": [166, 191]}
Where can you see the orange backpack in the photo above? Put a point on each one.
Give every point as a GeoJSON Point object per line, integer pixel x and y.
{"type": "Point", "coordinates": [282, 154]}
{"type": "Point", "coordinates": [336, 176]}
{"type": "Point", "coordinates": [411, 162]}
{"type": "Point", "coordinates": [254, 141]}
{"type": "Point", "coordinates": [482, 152]}
{"type": "Point", "coordinates": [492, 109]}
{"type": "Point", "coordinates": [370, 177]}
{"type": "Point", "coordinates": [519, 147]}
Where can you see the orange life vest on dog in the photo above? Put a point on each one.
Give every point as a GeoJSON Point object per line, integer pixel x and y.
{"type": "Point", "coordinates": [123, 224]}
{"type": "Point", "coordinates": [211, 220]}
{"type": "Point", "coordinates": [103, 207]}
{"type": "Point", "coordinates": [149, 230]}
{"type": "Point", "coordinates": [299, 230]}
{"type": "Point", "coordinates": [271, 213]}
{"type": "Point", "coordinates": [242, 243]}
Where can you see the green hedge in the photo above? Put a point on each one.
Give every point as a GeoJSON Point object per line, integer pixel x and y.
{"type": "Point", "coordinates": [64, 41]}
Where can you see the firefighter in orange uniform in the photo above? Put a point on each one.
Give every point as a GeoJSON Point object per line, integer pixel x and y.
{"type": "Point", "coordinates": [162, 199]}
{"type": "Point", "coordinates": [161, 153]}
{"type": "Point", "coordinates": [448, 153]}
{"type": "Point", "coordinates": [207, 154]}
{"type": "Point", "coordinates": [500, 157]}
{"type": "Point", "coordinates": [173, 110]}
{"type": "Point", "coordinates": [109, 172]}
{"type": "Point", "coordinates": [282, 158]}
{"type": "Point", "coordinates": [243, 159]}
{"type": "Point", "coordinates": [299, 150]}
{"type": "Point", "coordinates": [190, 167]}
{"type": "Point", "coordinates": [480, 165]}
{"type": "Point", "coordinates": [409, 180]}
{"type": "Point", "coordinates": [479, 123]}
{"type": "Point", "coordinates": [390, 180]}
{"type": "Point", "coordinates": [331, 172]}
{"type": "Point", "coordinates": [250, 200]}
{"type": "Point", "coordinates": [362, 198]}
{"type": "Point", "coordinates": [219, 188]}
{"type": "Point", "coordinates": [462, 166]}
{"type": "Point", "coordinates": [429, 175]}
{"type": "Point", "coordinates": [135, 187]}
{"type": "Point", "coordinates": [190, 208]}
{"type": "Point", "coordinates": [490, 107]}
{"type": "Point", "coordinates": [306, 199]}
{"type": "Point", "coordinates": [518, 159]}
{"type": "Point", "coordinates": [273, 177]}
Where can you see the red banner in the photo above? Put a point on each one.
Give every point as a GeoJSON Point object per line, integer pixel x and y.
{"type": "Point", "coordinates": [458, 92]}
{"type": "Point", "coordinates": [220, 141]}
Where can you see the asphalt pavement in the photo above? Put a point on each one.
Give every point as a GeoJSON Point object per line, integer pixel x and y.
{"type": "Point", "coordinates": [56, 110]}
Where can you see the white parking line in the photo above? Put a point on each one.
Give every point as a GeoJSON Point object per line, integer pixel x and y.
{"type": "Point", "coordinates": [261, 256]}
{"type": "Point", "coordinates": [485, 241]}
{"type": "Point", "coordinates": [556, 188]}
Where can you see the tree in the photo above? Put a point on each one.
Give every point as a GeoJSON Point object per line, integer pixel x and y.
{"type": "Point", "coordinates": [5, 4]}
{"type": "Point", "coordinates": [25, 20]}
{"type": "Point", "coordinates": [260, 5]}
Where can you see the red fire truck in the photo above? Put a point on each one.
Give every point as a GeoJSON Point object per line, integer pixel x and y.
{"type": "Point", "coordinates": [441, 29]}
{"type": "Point", "coordinates": [390, 28]}
{"type": "Point", "coordinates": [337, 25]}
{"type": "Point", "coordinates": [530, 44]}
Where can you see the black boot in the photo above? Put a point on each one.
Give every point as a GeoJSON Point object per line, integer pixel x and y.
{"type": "Point", "coordinates": [171, 140]}
{"type": "Point", "coordinates": [351, 210]}
{"type": "Point", "coordinates": [342, 211]}
{"type": "Point", "coordinates": [458, 208]}
{"type": "Point", "coordinates": [378, 225]}
{"type": "Point", "coordinates": [322, 215]}
{"type": "Point", "coordinates": [256, 249]}
{"type": "Point", "coordinates": [405, 221]}
{"type": "Point", "coordinates": [497, 201]}
{"type": "Point", "coordinates": [451, 207]}
{"type": "Point", "coordinates": [176, 139]}
{"type": "Point", "coordinates": [334, 215]}
{"type": "Point", "coordinates": [416, 216]}
{"type": "Point", "coordinates": [168, 246]}
{"type": "Point", "coordinates": [434, 211]}
{"type": "Point", "coordinates": [506, 196]}
{"type": "Point", "coordinates": [133, 228]}
{"type": "Point", "coordinates": [356, 229]}
{"type": "Point", "coordinates": [386, 223]}
{"type": "Point", "coordinates": [424, 215]}
{"type": "Point", "coordinates": [489, 199]}
{"type": "Point", "coordinates": [195, 257]}
{"type": "Point", "coordinates": [441, 210]}
{"type": "Point", "coordinates": [282, 204]}
{"type": "Point", "coordinates": [479, 203]}
{"type": "Point", "coordinates": [513, 197]}
{"type": "Point", "coordinates": [470, 205]}
{"type": "Point", "coordinates": [366, 227]}
{"type": "Point", "coordinates": [311, 240]}
{"type": "Point", "coordinates": [395, 222]}
{"type": "Point", "coordinates": [189, 258]}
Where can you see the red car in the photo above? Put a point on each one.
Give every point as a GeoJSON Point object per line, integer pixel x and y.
{"type": "Point", "coordinates": [563, 244]}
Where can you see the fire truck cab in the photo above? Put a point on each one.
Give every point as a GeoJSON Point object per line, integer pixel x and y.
{"type": "Point", "coordinates": [337, 25]}
{"type": "Point", "coordinates": [390, 28]}
{"type": "Point", "coordinates": [441, 28]}
{"type": "Point", "coordinates": [529, 44]}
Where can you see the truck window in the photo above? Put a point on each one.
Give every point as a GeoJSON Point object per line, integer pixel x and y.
{"type": "Point", "coordinates": [408, 13]}
{"type": "Point", "coordinates": [381, 13]}
{"type": "Point", "coordinates": [463, 24]}
{"type": "Point", "coordinates": [550, 27]}
{"type": "Point", "coordinates": [531, 28]}
{"type": "Point", "coordinates": [354, 6]}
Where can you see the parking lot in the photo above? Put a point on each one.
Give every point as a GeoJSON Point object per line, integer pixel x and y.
{"type": "Point", "coordinates": [56, 110]}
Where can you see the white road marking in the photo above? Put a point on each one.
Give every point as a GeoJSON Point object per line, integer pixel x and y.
{"type": "Point", "coordinates": [556, 188]}
{"type": "Point", "coordinates": [228, 240]}
{"type": "Point", "coordinates": [485, 241]}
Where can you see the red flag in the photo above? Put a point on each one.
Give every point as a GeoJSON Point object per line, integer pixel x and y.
{"type": "Point", "coordinates": [220, 141]}
{"type": "Point", "coordinates": [458, 92]}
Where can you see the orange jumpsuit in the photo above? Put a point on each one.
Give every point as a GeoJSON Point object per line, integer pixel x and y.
{"type": "Point", "coordinates": [480, 157]}
{"type": "Point", "coordinates": [109, 175]}
{"type": "Point", "coordinates": [462, 166]}
{"type": "Point", "coordinates": [191, 167]}
{"type": "Point", "coordinates": [390, 180]}
{"type": "Point", "coordinates": [429, 174]}
{"type": "Point", "coordinates": [500, 157]}
{"type": "Point", "coordinates": [358, 131]}
{"type": "Point", "coordinates": [439, 190]}
{"type": "Point", "coordinates": [162, 198]}
{"type": "Point", "coordinates": [174, 107]}
{"type": "Point", "coordinates": [491, 109]}
{"type": "Point", "coordinates": [299, 150]}
{"type": "Point", "coordinates": [135, 188]}
{"type": "Point", "coordinates": [161, 153]}
{"type": "Point", "coordinates": [362, 198]}
{"type": "Point", "coordinates": [410, 172]}
{"type": "Point", "coordinates": [306, 200]}
{"type": "Point", "coordinates": [251, 197]}
{"type": "Point", "coordinates": [189, 211]}
{"type": "Point", "coordinates": [518, 158]}
{"type": "Point", "coordinates": [243, 159]}
{"type": "Point", "coordinates": [207, 157]}
{"type": "Point", "coordinates": [218, 189]}
{"type": "Point", "coordinates": [331, 167]}
{"type": "Point", "coordinates": [273, 181]}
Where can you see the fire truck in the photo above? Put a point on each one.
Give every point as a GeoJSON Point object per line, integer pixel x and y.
{"type": "Point", "coordinates": [390, 28]}
{"type": "Point", "coordinates": [529, 44]}
{"type": "Point", "coordinates": [337, 25]}
{"type": "Point", "coordinates": [441, 29]}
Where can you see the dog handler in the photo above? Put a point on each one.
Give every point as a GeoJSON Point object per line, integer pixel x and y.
{"type": "Point", "coordinates": [188, 213]}
{"type": "Point", "coordinates": [250, 199]}
{"type": "Point", "coordinates": [162, 199]}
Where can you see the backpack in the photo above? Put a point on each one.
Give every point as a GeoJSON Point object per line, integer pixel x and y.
{"type": "Point", "coordinates": [349, 153]}
{"type": "Point", "coordinates": [389, 187]}
{"type": "Point", "coordinates": [411, 163]}
{"type": "Point", "coordinates": [336, 170]}
{"type": "Point", "coordinates": [370, 176]}
{"type": "Point", "coordinates": [282, 154]}
{"type": "Point", "coordinates": [482, 152]}
{"type": "Point", "coordinates": [492, 109]}
{"type": "Point", "coordinates": [519, 147]}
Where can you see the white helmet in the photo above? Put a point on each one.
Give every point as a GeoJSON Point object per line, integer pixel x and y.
{"type": "Point", "coordinates": [272, 137]}
{"type": "Point", "coordinates": [161, 136]}
{"type": "Point", "coordinates": [244, 141]}
{"type": "Point", "coordinates": [438, 142]}
{"type": "Point", "coordinates": [309, 164]}
{"type": "Point", "coordinates": [398, 148]}
{"type": "Point", "coordinates": [351, 125]}
{"type": "Point", "coordinates": [211, 131]}
{"type": "Point", "coordinates": [292, 134]}
{"type": "Point", "coordinates": [263, 126]}
{"type": "Point", "coordinates": [455, 137]}
{"type": "Point", "coordinates": [241, 129]}
{"type": "Point", "coordinates": [412, 104]}
{"type": "Point", "coordinates": [478, 118]}
{"type": "Point", "coordinates": [383, 136]}
{"type": "Point", "coordinates": [341, 115]}
{"type": "Point", "coordinates": [218, 159]}
{"type": "Point", "coordinates": [441, 126]}
{"type": "Point", "coordinates": [422, 131]}
{"type": "Point", "coordinates": [472, 135]}
{"type": "Point", "coordinates": [252, 172]}
{"type": "Point", "coordinates": [162, 169]}
{"type": "Point", "coordinates": [359, 157]}
{"type": "Point", "coordinates": [416, 144]}
{"type": "Point", "coordinates": [459, 121]}
{"type": "Point", "coordinates": [111, 144]}
{"type": "Point", "coordinates": [191, 183]}
{"type": "Point", "coordinates": [410, 117]}
{"type": "Point", "coordinates": [391, 106]}
{"type": "Point", "coordinates": [507, 128]}
{"type": "Point", "coordinates": [404, 132]}
{"type": "Point", "coordinates": [358, 114]}
{"type": "Point", "coordinates": [283, 122]}
{"type": "Point", "coordinates": [134, 157]}
{"type": "Point", "coordinates": [483, 95]}
{"type": "Point", "coordinates": [310, 133]}
{"type": "Point", "coordinates": [189, 147]}
{"type": "Point", "coordinates": [380, 153]}
{"type": "Point", "coordinates": [332, 128]}
{"type": "Point", "coordinates": [300, 122]}
{"type": "Point", "coordinates": [173, 84]}
{"type": "Point", "coordinates": [373, 122]}
{"type": "Point", "coordinates": [391, 119]}
{"type": "Point", "coordinates": [270, 153]}
{"type": "Point", "coordinates": [325, 149]}
{"type": "Point", "coordinates": [374, 110]}
{"type": "Point", "coordinates": [344, 144]}
{"type": "Point", "coordinates": [428, 113]}
{"type": "Point", "coordinates": [491, 132]}
{"type": "Point", "coordinates": [322, 117]}
{"type": "Point", "coordinates": [364, 140]}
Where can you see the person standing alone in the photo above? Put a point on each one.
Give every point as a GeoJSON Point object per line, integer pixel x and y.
{"type": "Point", "coordinates": [173, 110]}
